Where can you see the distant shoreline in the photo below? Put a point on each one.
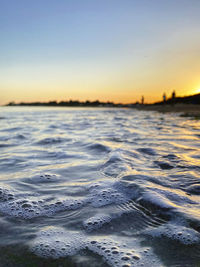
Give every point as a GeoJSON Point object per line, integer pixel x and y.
{"type": "Point", "coordinates": [186, 110]}
{"type": "Point", "coordinates": [188, 106]}
{"type": "Point", "coordinates": [182, 102]}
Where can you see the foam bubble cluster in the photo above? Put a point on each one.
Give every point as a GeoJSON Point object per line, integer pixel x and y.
{"type": "Point", "coordinates": [183, 234]}
{"type": "Point", "coordinates": [106, 194]}
{"type": "Point", "coordinates": [54, 242]}
{"type": "Point", "coordinates": [6, 194]}
{"type": "Point", "coordinates": [96, 221]}
{"type": "Point", "coordinates": [121, 255]}
{"type": "Point", "coordinates": [34, 207]}
{"type": "Point", "coordinates": [27, 206]}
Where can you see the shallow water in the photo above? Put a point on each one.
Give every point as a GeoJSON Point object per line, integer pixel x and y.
{"type": "Point", "coordinates": [99, 187]}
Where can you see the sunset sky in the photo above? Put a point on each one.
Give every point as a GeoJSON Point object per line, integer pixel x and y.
{"type": "Point", "coordinates": [116, 50]}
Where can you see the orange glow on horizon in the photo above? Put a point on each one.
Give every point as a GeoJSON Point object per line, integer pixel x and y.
{"type": "Point", "coordinates": [197, 91]}
{"type": "Point", "coordinates": [117, 95]}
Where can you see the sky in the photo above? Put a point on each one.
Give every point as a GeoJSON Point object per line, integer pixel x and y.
{"type": "Point", "coordinates": [110, 50]}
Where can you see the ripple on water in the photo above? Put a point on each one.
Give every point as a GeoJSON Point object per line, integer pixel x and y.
{"type": "Point", "coordinates": [51, 141]}
{"type": "Point", "coordinates": [43, 178]}
{"type": "Point", "coordinates": [147, 151]}
{"type": "Point", "coordinates": [194, 189]}
{"type": "Point", "coordinates": [164, 165]}
{"type": "Point", "coordinates": [98, 148]}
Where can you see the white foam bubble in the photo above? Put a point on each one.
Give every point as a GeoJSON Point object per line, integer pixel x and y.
{"type": "Point", "coordinates": [96, 221]}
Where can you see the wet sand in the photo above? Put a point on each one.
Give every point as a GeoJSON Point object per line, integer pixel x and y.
{"type": "Point", "coordinates": [187, 110]}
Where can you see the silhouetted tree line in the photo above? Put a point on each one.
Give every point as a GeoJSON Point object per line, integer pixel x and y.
{"type": "Point", "coordinates": [70, 103]}
{"type": "Point", "coordinates": [194, 99]}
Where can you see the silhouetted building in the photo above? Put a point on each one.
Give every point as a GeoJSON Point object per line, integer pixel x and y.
{"type": "Point", "coordinates": [173, 94]}
{"type": "Point", "coordinates": [142, 100]}
{"type": "Point", "coordinates": [164, 98]}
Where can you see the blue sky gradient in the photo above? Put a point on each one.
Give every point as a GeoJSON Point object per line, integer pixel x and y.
{"type": "Point", "coordinates": [114, 50]}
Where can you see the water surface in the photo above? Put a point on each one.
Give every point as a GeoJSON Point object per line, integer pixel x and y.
{"type": "Point", "coordinates": [98, 187]}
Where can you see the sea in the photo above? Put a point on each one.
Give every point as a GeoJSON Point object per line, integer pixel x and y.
{"type": "Point", "coordinates": [99, 187]}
